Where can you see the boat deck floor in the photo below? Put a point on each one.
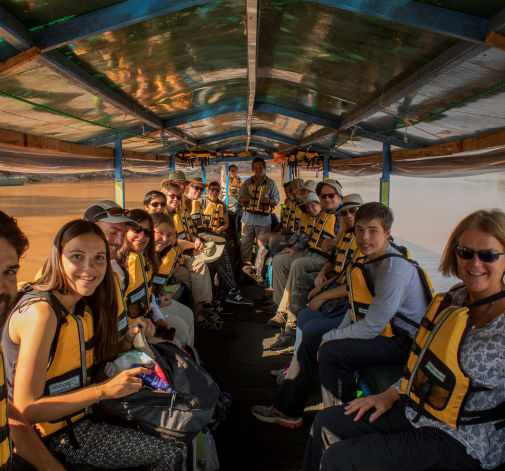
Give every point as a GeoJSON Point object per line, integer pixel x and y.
{"type": "Point", "coordinates": [237, 358]}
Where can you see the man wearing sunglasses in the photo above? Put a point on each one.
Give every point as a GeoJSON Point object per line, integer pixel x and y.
{"type": "Point", "coordinates": [155, 202]}
{"type": "Point", "coordinates": [296, 261]}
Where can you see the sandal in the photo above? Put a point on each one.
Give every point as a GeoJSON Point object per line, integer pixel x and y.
{"type": "Point", "coordinates": [208, 324]}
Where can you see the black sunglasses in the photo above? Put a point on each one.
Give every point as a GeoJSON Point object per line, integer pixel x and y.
{"type": "Point", "coordinates": [139, 229]}
{"type": "Point", "coordinates": [197, 188]}
{"type": "Point", "coordinates": [486, 256]}
{"type": "Point", "coordinates": [327, 195]}
{"type": "Point", "coordinates": [345, 212]}
{"type": "Point", "coordinates": [155, 204]}
{"type": "Point", "coordinates": [174, 197]}
{"type": "Point", "coordinates": [214, 189]}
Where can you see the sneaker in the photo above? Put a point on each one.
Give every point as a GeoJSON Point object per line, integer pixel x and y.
{"type": "Point", "coordinates": [279, 320]}
{"type": "Point", "coordinates": [235, 297]}
{"type": "Point", "coordinates": [280, 371]}
{"type": "Point", "coordinates": [222, 309]}
{"type": "Point", "coordinates": [284, 340]}
{"type": "Point", "coordinates": [250, 271]}
{"type": "Point", "coordinates": [270, 415]}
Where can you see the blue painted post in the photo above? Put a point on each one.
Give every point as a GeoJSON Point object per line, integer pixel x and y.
{"type": "Point", "coordinates": [118, 173]}
{"type": "Point", "coordinates": [204, 175]}
{"type": "Point", "coordinates": [386, 173]}
{"type": "Point", "coordinates": [290, 173]}
{"type": "Point", "coordinates": [326, 166]}
{"type": "Point", "coordinates": [172, 161]}
{"type": "Point", "coordinates": [227, 184]}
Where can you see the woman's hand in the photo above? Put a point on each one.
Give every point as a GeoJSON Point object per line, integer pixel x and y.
{"type": "Point", "coordinates": [316, 302]}
{"type": "Point", "coordinates": [121, 385]}
{"type": "Point", "coordinates": [381, 402]}
{"type": "Point", "coordinates": [315, 291]}
{"type": "Point", "coordinates": [141, 324]}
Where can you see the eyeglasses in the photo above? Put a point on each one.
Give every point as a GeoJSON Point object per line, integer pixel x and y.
{"type": "Point", "coordinates": [197, 188]}
{"type": "Point", "coordinates": [95, 213]}
{"type": "Point", "coordinates": [216, 190]}
{"type": "Point", "coordinates": [139, 229]}
{"type": "Point", "coordinates": [155, 204]}
{"type": "Point", "coordinates": [486, 256]}
{"type": "Point", "coordinates": [327, 195]}
{"type": "Point", "coordinates": [345, 212]}
{"type": "Point", "coordinates": [174, 197]}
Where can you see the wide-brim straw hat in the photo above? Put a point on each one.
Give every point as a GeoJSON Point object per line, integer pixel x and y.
{"type": "Point", "coordinates": [354, 199]}
{"type": "Point", "coordinates": [210, 253]}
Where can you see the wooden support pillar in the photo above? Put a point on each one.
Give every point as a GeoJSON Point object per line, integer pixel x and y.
{"type": "Point", "coordinates": [118, 173]}
{"type": "Point", "coordinates": [326, 166]}
{"type": "Point", "coordinates": [386, 173]}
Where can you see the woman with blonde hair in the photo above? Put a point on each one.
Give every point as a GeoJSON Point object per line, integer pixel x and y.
{"type": "Point", "coordinates": [452, 407]}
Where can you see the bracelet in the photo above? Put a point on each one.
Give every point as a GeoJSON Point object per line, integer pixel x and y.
{"type": "Point", "coordinates": [96, 391]}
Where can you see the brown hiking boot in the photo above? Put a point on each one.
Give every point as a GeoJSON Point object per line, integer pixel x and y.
{"type": "Point", "coordinates": [279, 320]}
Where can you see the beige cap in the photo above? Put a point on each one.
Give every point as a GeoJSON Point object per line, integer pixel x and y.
{"type": "Point", "coordinates": [107, 211]}
{"type": "Point", "coordinates": [354, 199]}
{"type": "Point", "coordinates": [198, 180]}
{"type": "Point", "coordinates": [298, 183]}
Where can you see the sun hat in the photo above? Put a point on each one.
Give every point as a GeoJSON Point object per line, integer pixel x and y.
{"type": "Point", "coordinates": [310, 185]}
{"type": "Point", "coordinates": [198, 180]}
{"type": "Point", "coordinates": [174, 176]}
{"type": "Point", "coordinates": [310, 197]}
{"type": "Point", "coordinates": [354, 199]}
{"type": "Point", "coordinates": [333, 183]}
{"type": "Point", "coordinates": [298, 183]}
{"type": "Point", "coordinates": [107, 211]}
{"type": "Point", "coordinates": [210, 253]}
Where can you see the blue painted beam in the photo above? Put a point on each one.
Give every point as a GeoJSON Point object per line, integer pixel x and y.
{"type": "Point", "coordinates": [110, 138]}
{"type": "Point", "coordinates": [241, 159]}
{"type": "Point", "coordinates": [301, 115]}
{"type": "Point", "coordinates": [394, 141]}
{"type": "Point", "coordinates": [326, 166]}
{"type": "Point", "coordinates": [108, 19]}
{"type": "Point", "coordinates": [221, 137]}
{"type": "Point", "coordinates": [386, 174]}
{"type": "Point", "coordinates": [418, 15]}
{"type": "Point", "coordinates": [276, 137]}
{"type": "Point", "coordinates": [258, 106]}
{"type": "Point", "coordinates": [204, 114]}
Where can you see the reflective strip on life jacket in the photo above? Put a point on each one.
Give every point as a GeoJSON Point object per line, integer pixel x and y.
{"type": "Point", "coordinates": [122, 317]}
{"type": "Point", "coordinates": [138, 292]}
{"type": "Point", "coordinates": [5, 442]}
{"type": "Point", "coordinates": [213, 216]}
{"type": "Point", "coordinates": [171, 257]}
{"type": "Point", "coordinates": [324, 228]}
{"type": "Point", "coordinates": [256, 193]}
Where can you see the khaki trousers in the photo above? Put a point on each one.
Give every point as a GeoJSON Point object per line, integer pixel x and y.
{"type": "Point", "coordinates": [181, 317]}
{"type": "Point", "coordinates": [249, 233]}
{"type": "Point", "coordinates": [195, 275]}
{"type": "Point", "coordinates": [286, 270]}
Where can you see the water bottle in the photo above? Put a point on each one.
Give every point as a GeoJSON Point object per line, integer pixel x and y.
{"type": "Point", "coordinates": [155, 382]}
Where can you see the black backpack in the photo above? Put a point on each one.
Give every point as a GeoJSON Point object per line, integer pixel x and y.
{"type": "Point", "coordinates": [180, 415]}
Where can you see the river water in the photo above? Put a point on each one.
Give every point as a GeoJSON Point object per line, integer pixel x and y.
{"type": "Point", "coordinates": [426, 209]}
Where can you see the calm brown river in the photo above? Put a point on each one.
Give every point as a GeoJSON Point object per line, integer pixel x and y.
{"type": "Point", "coordinates": [425, 210]}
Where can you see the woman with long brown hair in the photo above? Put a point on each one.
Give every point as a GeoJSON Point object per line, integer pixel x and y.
{"type": "Point", "coordinates": [63, 325]}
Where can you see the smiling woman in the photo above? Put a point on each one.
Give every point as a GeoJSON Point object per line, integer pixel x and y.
{"type": "Point", "coordinates": [64, 323]}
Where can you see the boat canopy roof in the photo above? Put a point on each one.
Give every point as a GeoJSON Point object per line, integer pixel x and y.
{"type": "Point", "coordinates": [291, 79]}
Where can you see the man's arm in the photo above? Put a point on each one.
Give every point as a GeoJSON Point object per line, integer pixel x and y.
{"type": "Point", "coordinates": [390, 291]}
{"type": "Point", "coordinates": [28, 445]}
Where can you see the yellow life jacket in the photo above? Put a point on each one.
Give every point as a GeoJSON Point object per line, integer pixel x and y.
{"type": "Point", "coordinates": [297, 218]}
{"type": "Point", "coordinates": [234, 185]}
{"type": "Point", "coordinates": [5, 442]}
{"type": "Point", "coordinates": [287, 216]}
{"type": "Point", "coordinates": [196, 215]}
{"type": "Point", "coordinates": [345, 254]}
{"type": "Point", "coordinates": [171, 257]}
{"type": "Point", "coordinates": [183, 224]}
{"type": "Point", "coordinates": [213, 216]}
{"type": "Point", "coordinates": [324, 228]}
{"type": "Point", "coordinates": [435, 384]}
{"type": "Point", "coordinates": [256, 193]}
{"type": "Point", "coordinates": [71, 357]}
{"type": "Point", "coordinates": [122, 315]}
{"type": "Point", "coordinates": [360, 290]}
{"type": "Point", "coordinates": [138, 291]}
